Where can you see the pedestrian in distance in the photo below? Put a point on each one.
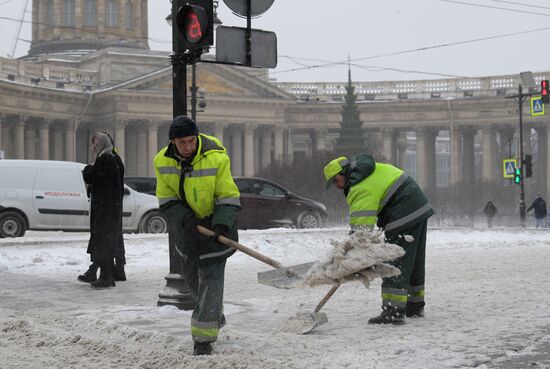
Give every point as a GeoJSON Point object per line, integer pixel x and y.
{"type": "Point", "coordinates": [539, 205]}
{"type": "Point", "coordinates": [105, 178]}
{"type": "Point", "coordinates": [490, 210]}
{"type": "Point", "coordinates": [195, 187]}
{"type": "Point", "coordinates": [382, 194]}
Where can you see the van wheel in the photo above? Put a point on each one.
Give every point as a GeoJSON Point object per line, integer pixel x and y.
{"type": "Point", "coordinates": [153, 222]}
{"type": "Point", "coordinates": [12, 224]}
{"type": "Point", "coordinates": [309, 219]}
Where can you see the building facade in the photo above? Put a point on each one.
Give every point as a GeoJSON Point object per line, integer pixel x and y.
{"type": "Point", "coordinates": [89, 67]}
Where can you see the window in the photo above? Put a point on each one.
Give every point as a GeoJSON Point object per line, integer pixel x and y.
{"type": "Point", "coordinates": [51, 19]}
{"type": "Point", "coordinates": [111, 13]}
{"type": "Point", "coordinates": [90, 13]}
{"type": "Point", "coordinates": [129, 16]}
{"type": "Point", "coordinates": [244, 186]}
{"type": "Point", "coordinates": [267, 189]}
{"type": "Point", "coordinates": [68, 13]}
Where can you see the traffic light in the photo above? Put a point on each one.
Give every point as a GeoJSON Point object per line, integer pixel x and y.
{"type": "Point", "coordinates": [195, 24]}
{"type": "Point", "coordinates": [544, 91]}
{"type": "Point", "coordinates": [528, 166]}
{"type": "Point", "coordinates": [517, 176]}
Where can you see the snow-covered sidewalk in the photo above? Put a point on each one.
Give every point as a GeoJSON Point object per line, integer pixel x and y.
{"type": "Point", "coordinates": [487, 306]}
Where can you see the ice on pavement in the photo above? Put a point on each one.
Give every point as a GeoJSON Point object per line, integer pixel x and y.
{"type": "Point", "coordinates": [359, 256]}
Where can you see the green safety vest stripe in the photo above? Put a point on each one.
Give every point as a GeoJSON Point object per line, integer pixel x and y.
{"type": "Point", "coordinates": [413, 289]}
{"type": "Point", "coordinates": [204, 334]}
{"type": "Point", "coordinates": [216, 254]}
{"type": "Point", "coordinates": [394, 187]}
{"type": "Point", "coordinates": [228, 201]}
{"type": "Point", "coordinates": [169, 170]}
{"type": "Point", "coordinates": [401, 221]}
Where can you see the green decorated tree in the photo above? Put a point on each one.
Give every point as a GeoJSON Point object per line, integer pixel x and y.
{"type": "Point", "coordinates": [351, 138]}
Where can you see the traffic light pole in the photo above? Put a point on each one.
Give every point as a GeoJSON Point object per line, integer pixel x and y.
{"type": "Point", "coordinates": [521, 98]}
{"type": "Point", "coordinates": [176, 292]}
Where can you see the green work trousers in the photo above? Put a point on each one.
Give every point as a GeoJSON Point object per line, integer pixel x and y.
{"type": "Point", "coordinates": [206, 284]}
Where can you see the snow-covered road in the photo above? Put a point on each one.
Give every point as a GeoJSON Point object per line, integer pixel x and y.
{"type": "Point", "coordinates": [487, 295]}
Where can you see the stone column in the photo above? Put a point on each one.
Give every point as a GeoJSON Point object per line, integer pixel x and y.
{"type": "Point", "coordinates": [70, 141]}
{"type": "Point", "coordinates": [290, 146]}
{"type": "Point", "coordinates": [425, 158]}
{"type": "Point", "coordinates": [58, 143]}
{"type": "Point", "coordinates": [58, 17]}
{"type": "Point", "coordinates": [468, 155]}
{"type": "Point", "coordinates": [30, 140]}
{"type": "Point", "coordinates": [19, 138]}
{"type": "Point", "coordinates": [249, 150]}
{"type": "Point", "coordinates": [237, 150]}
{"type": "Point", "coordinates": [100, 16]}
{"type": "Point", "coordinates": [219, 129]}
{"type": "Point", "coordinates": [320, 136]}
{"type": "Point", "coordinates": [44, 140]}
{"type": "Point", "coordinates": [456, 155]}
{"type": "Point", "coordinates": [120, 139]}
{"type": "Point", "coordinates": [279, 147]}
{"type": "Point", "coordinates": [152, 147]}
{"type": "Point", "coordinates": [388, 145]}
{"type": "Point", "coordinates": [266, 147]}
{"type": "Point", "coordinates": [78, 18]}
{"type": "Point", "coordinates": [489, 146]}
{"type": "Point", "coordinates": [141, 150]}
{"type": "Point", "coordinates": [402, 147]}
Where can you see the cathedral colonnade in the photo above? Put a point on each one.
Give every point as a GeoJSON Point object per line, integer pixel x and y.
{"type": "Point", "coordinates": [251, 147]}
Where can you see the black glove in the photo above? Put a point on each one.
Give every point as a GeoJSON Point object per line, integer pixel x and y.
{"type": "Point", "coordinates": [220, 230]}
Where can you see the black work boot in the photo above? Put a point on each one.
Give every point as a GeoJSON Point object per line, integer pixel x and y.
{"type": "Point", "coordinates": [90, 275]}
{"type": "Point", "coordinates": [105, 278]}
{"type": "Point", "coordinates": [415, 309]}
{"type": "Point", "coordinates": [389, 315]}
{"type": "Point", "coordinates": [202, 348]}
{"type": "Point", "coordinates": [119, 274]}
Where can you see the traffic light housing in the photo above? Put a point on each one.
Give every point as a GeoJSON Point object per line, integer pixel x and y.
{"type": "Point", "coordinates": [545, 91]}
{"type": "Point", "coordinates": [195, 24]}
{"type": "Point", "coordinates": [517, 176]}
{"type": "Point", "coordinates": [528, 162]}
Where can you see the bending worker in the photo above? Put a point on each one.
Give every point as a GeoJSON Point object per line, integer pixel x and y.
{"type": "Point", "coordinates": [195, 187]}
{"type": "Point", "coordinates": [384, 192]}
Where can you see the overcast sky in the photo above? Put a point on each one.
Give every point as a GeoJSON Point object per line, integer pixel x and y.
{"type": "Point", "coordinates": [316, 32]}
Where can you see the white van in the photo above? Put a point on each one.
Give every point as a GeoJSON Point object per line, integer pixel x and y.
{"type": "Point", "coordinates": [51, 195]}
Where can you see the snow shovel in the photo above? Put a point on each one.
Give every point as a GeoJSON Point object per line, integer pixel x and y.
{"type": "Point", "coordinates": [303, 323]}
{"type": "Point", "coordinates": [281, 277]}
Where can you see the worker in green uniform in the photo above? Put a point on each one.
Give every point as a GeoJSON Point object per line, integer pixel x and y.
{"type": "Point", "coordinates": [195, 187]}
{"type": "Point", "coordinates": [382, 194]}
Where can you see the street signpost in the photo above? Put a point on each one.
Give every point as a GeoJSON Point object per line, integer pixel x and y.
{"type": "Point", "coordinates": [509, 168]}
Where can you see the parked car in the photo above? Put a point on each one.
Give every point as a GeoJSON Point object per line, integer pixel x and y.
{"type": "Point", "coordinates": [266, 204]}
{"type": "Point", "coordinates": [51, 195]}
{"type": "Point", "coordinates": [146, 185]}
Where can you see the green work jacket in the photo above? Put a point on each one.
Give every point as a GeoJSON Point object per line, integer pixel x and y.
{"type": "Point", "coordinates": [201, 187]}
{"type": "Point", "coordinates": [382, 194]}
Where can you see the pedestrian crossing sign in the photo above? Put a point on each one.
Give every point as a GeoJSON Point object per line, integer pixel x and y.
{"type": "Point", "coordinates": [509, 167]}
{"type": "Point", "coordinates": [537, 107]}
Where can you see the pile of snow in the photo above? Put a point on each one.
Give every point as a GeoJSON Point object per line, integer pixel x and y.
{"type": "Point", "coordinates": [361, 256]}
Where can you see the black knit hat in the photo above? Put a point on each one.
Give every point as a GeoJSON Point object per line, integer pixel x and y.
{"type": "Point", "coordinates": [182, 126]}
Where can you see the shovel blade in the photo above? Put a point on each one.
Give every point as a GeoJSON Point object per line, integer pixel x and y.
{"type": "Point", "coordinates": [303, 323]}
{"type": "Point", "coordinates": [286, 277]}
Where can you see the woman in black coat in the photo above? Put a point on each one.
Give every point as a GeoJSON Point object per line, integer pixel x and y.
{"type": "Point", "coordinates": [106, 192]}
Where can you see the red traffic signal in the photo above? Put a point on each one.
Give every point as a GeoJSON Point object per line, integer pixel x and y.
{"type": "Point", "coordinates": [544, 91]}
{"type": "Point", "coordinates": [194, 21]}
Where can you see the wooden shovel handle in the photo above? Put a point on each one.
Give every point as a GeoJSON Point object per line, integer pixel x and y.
{"type": "Point", "coordinates": [228, 242]}
{"type": "Point", "coordinates": [326, 298]}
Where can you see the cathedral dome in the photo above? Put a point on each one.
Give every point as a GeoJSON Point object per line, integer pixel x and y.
{"type": "Point", "coordinates": [88, 25]}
